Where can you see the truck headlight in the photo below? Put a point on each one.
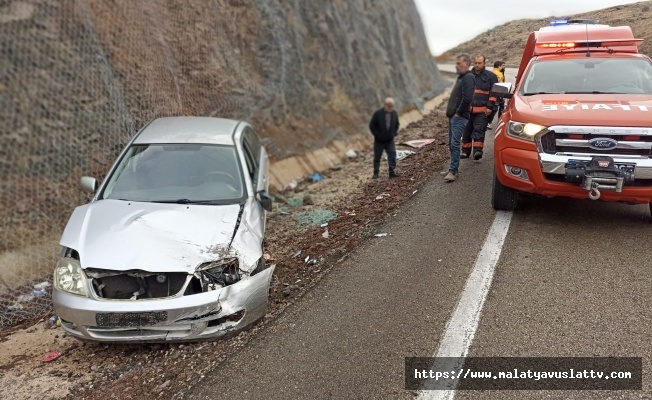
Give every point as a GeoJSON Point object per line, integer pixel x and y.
{"type": "Point", "coordinates": [69, 277]}
{"type": "Point", "coordinates": [523, 130]}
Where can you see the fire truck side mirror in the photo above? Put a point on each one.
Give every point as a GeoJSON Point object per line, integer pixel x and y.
{"type": "Point", "coordinates": [502, 90]}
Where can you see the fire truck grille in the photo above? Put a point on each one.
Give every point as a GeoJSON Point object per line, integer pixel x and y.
{"type": "Point", "coordinates": [581, 144]}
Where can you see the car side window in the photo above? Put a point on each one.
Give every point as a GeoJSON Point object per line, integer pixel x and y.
{"type": "Point", "coordinates": [252, 141]}
{"type": "Point", "coordinates": [252, 160]}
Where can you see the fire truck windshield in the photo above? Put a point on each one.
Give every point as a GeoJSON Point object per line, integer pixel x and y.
{"type": "Point", "coordinates": [589, 75]}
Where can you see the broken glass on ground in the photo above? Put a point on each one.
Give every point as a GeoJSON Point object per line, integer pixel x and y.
{"type": "Point", "coordinates": [316, 217]}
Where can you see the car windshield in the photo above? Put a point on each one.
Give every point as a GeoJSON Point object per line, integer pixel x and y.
{"type": "Point", "coordinates": [177, 173]}
{"type": "Point", "coordinates": [589, 75]}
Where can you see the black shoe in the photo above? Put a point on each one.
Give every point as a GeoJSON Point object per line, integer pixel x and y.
{"type": "Point", "coordinates": [464, 155]}
{"type": "Point", "coordinates": [375, 175]}
{"type": "Point", "coordinates": [394, 174]}
{"type": "Point", "coordinates": [477, 155]}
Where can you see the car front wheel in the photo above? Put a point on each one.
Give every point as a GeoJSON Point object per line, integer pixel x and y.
{"type": "Point", "coordinates": [502, 197]}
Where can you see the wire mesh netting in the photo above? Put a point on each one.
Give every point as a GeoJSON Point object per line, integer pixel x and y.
{"type": "Point", "coordinates": [78, 78]}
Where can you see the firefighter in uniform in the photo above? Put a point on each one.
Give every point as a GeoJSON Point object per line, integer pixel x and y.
{"type": "Point", "coordinates": [499, 71]}
{"type": "Point", "coordinates": [482, 108]}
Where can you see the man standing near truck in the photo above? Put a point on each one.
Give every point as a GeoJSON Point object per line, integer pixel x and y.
{"type": "Point", "coordinates": [458, 113]}
{"type": "Point", "coordinates": [499, 71]}
{"type": "Point", "coordinates": [482, 107]}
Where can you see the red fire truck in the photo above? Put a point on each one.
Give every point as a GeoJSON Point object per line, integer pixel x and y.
{"type": "Point", "coordinates": [579, 119]}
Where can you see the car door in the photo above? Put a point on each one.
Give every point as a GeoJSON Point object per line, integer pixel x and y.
{"type": "Point", "coordinates": [257, 164]}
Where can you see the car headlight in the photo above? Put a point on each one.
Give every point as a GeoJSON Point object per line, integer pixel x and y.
{"type": "Point", "coordinates": [523, 130]}
{"type": "Point", "coordinates": [69, 277]}
{"type": "Point", "coordinates": [223, 272]}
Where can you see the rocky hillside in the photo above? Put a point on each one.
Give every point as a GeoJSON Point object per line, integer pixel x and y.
{"type": "Point", "coordinates": [506, 42]}
{"type": "Point", "coordinates": [78, 78]}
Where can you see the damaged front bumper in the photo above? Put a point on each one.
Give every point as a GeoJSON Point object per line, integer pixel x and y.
{"type": "Point", "coordinates": [201, 316]}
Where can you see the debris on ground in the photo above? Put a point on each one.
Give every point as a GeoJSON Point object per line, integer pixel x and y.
{"type": "Point", "coordinates": [380, 235]}
{"type": "Point", "coordinates": [42, 285]}
{"type": "Point", "coordinates": [316, 177]}
{"type": "Point", "coordinates": [401, 154]}
{"type": "Point", "coordinates": [351, 154]}
{"type": "Point", "coordinates": [316, 217]}
{"type": "Point", "coordinates": [268, 257]}
{"type": "Point", "coordinates": [51, 356]}
{"type": "Point", "coordinates": [51, 322]}
{"type": "Point", "coordinates": [336, 167]}
{"type": "Point", "coordinates": [25, 298]}
{"type": "Point", "coordinates": [307, 200]}
{"type": "Point", "coordinates": [417, 144]}
{"type": "Point", "coordinates": [382, 196]}
{"type": "Point", "coordinates": [291, 201]}
{"type": "Point", "coordinates": [325, 234]}
{"type": "Point", "coordinates": [310, 261]}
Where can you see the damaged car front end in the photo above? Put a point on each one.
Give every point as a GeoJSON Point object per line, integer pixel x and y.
{"type": "Point", "coordinates": [184, 265]}
{"type": "Point", "coordinates": [197, 308]}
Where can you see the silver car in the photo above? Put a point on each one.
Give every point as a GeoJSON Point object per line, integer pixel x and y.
{"type": "Point", "coordinates": [171, 246]}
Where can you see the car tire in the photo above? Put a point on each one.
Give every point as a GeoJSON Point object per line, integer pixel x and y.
{"type": "Point", "coordinates": [502, 197]}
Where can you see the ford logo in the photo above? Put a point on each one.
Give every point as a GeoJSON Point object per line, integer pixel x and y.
{"type": "Point", "coordinates": [603, 144]}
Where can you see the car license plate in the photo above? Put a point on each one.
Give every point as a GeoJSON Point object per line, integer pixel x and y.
{"type": "Point", "coordinates": [130, 320]}
{"type": "Point", "coordinates": [631, 168]}
{"type": "Point", "coordinates": [627, 167]}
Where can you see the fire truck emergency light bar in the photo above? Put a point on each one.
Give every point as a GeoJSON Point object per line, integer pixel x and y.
{"type": "Point", "coordinates": [592, 43]}
{"type": "Point", "coordinates": [557, 22]}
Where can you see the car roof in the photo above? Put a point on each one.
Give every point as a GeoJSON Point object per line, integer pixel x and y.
{"type": "Point", "coordinates": [204, 130]}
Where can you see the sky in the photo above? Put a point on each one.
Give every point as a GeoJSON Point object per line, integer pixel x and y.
{"type": "Point", "coordinates": [450, 22]}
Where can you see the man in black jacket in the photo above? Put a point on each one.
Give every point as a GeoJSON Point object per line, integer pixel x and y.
{"type": "Point", "coordinates": [458, 112]}
{"type": "Point", "coordinates": [384, 126]}
{"type": "Point", "coordinates": [482, 107]}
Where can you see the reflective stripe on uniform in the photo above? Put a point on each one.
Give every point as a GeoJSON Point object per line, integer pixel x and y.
{"type": "Point", "coordinates": [476, 110]}
{"type": "Point", "coordinates": [480, 91]}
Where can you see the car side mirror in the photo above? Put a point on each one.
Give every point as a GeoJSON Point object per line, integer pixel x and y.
{"type": "Point", "coordinates": [88, 184]}
{"type": "Point", "coordinates": [265, 200]}
{"type": "Point", "coordinates": [503, 90]}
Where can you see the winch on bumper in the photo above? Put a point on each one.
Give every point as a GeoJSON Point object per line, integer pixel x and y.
{"type": "Point", "coordinates": [600, 173]}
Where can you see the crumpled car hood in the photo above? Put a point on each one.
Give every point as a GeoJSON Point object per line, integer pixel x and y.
{"type": "Point", "coordinates": [119, 235]}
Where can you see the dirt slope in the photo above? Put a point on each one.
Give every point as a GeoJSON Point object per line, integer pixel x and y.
{"type": "Point", "coordinates": [500, 42]}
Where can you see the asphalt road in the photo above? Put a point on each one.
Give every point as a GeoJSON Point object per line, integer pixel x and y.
{"type": "Point", "coordinates": [574, 278]}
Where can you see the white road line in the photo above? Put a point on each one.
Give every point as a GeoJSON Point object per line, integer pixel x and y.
{"type": "Point", "coordinates": [463, 324]}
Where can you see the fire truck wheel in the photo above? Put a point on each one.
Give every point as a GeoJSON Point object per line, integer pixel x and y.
{"type": "Point", "coordinates": [502, 197]}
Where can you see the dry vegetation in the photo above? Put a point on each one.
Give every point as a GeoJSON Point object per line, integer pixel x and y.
{"type": "Point", "coordinates": [499, 43]}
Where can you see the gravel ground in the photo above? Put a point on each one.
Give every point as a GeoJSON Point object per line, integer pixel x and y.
{"type": "Point", "coordinates": [100, 371]}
